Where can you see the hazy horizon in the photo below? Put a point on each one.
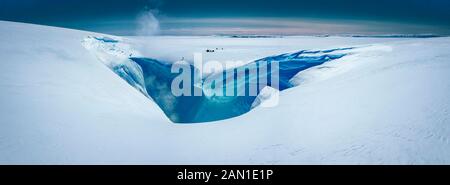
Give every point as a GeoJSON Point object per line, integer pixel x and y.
{"type": "Point", "coordinates": [201, 17]}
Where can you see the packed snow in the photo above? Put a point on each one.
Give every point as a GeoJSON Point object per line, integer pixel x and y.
{"type": "Point", "coordinates": [65, 101]}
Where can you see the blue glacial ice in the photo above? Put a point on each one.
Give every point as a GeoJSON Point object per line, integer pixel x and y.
{"type": "Point", "coordinates": [106, 39]}
{"type": "Point", "coordinates": [195, 109]}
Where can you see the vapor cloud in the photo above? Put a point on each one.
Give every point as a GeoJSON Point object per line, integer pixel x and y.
{"type": "Point", "coordinates": [147, 23]}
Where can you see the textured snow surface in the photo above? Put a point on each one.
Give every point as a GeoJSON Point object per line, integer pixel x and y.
{"type": "Point", "coordinates": [385, 103]}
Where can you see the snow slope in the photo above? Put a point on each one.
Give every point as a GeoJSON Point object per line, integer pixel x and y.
{"type": "Point", "coordinates": [386, 103]}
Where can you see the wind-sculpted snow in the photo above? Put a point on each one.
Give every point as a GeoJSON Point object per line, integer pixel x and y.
{"type": "Point", "coordinates": [212, 107]}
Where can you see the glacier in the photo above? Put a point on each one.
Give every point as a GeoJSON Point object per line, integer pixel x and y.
{"type": "Point", "coordinates": [385, 102]}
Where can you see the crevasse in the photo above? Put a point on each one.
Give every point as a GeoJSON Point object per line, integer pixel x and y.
{"type": "Point", "coordinates": [193, 109]}
{"type": "Point", "coordinates": [153, 78]}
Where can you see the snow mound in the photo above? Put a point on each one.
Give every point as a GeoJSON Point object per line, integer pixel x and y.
{"type": "Point", "coordinates": [268, 97]}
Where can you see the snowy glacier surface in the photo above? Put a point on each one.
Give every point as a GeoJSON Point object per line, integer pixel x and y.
{"type": "Point", "coordinates": [385, 102]}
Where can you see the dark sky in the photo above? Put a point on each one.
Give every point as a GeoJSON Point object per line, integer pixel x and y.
{"type": "Point", "coordinates": [236, 16]}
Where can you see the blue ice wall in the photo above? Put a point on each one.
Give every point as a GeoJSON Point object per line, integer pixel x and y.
{"type": "Point", "coordinates": [194, 109]}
